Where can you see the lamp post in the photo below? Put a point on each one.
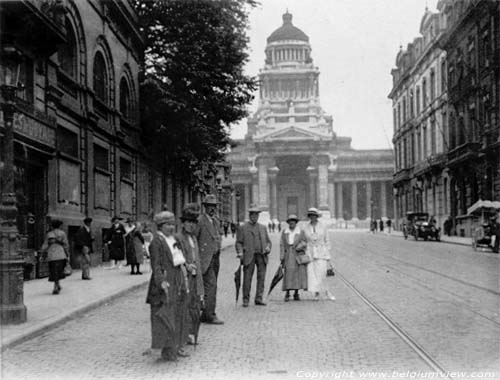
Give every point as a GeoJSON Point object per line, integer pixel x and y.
{"type": "Point", "coordinates": [371, 216]}
{"type": "Point", "coordinates": [238, 197]}
{"type": "Point", "coordinates": [12, 308]}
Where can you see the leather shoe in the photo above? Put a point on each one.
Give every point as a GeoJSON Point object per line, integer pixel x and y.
{"type": "Point", "coordinates": [287, 298]}
{"type": "Point", "coordinates": [245, 304]}
{"type": "Point", "coordinates": [260, 303]}
{"type": "Point", "coordinates": [182, 354]}
{"type": "Point", "coordinates": [87, 278]}
{"type": "Point", "coordinates": [215, 321]}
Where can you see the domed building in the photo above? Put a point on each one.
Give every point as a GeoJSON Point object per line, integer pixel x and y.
{"type": "Point", "coordinates": [291, 159]}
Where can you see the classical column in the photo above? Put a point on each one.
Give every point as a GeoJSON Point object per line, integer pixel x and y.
{"type": "Point", "coordinates": [331, 199]}
{"type": "Point", "coordinates": [340, 205]}
{"type": "Point", "coordinates": [255, 190]}
{"type": "Point", "coordinates": [368, 199]}
{"type": "Point", "coordinates": [383, 200]}
{"type": "Point", "coordinates": [247, 199]}
{"type": "Point", "coordinates": [263, 186]}
{"type": "Point", "coordinates": [323, 188]}
{"type": "Point", "coordinates": [274, 192]}
{"type": "Point", "coordinates": [354, 200]}
{"type": "Point", "coordinates": [234, 207]}
{"type": "Point", "coordinates": [312, 187]}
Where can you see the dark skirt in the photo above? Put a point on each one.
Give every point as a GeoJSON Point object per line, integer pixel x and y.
{"type": "Point", "coordinates": [56, 270]}
{"type": "Point", "coordinates": [116, 253]}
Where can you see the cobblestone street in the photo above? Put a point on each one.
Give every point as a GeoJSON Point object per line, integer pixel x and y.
{"type": "Point", "coordinates": [449, 305]}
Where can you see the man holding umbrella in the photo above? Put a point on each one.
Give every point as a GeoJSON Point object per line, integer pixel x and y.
{"type": "Point", "coordinates": [252, 248]}
{"type": "Point", "coordinates": [209, 240]}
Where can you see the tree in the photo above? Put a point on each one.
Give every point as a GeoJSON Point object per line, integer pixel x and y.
{"type": "Point", "coordinates": [194, 86]}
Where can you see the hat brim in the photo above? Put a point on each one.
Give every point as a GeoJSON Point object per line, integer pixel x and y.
{"type": "Point", "coordinates": [292, 219]}
{"type": "Point", "coordinates": [254, 211]}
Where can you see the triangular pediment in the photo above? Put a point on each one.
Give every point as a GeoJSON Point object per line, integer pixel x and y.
{"type": "Point", "coordinates": [292, 133]}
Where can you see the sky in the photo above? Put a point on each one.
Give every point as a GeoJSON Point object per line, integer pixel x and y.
{"type": "Point", "coordinates": [354, 44]}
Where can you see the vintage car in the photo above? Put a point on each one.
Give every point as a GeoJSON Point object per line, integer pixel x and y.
{"type": "Point", "coordinates": [419, 225]}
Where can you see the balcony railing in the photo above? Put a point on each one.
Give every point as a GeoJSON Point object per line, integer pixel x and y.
{"type": "Point", "coordinates": [401, 175]}
{"type": "Point", "coordinates": [463, 153]}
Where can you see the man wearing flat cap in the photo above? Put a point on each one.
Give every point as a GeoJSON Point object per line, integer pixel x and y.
{"type": "Point", "coordinates": [209, 234]}
{"type": "Point", "coordinates": [252, 248]}
{"type": "Point", "coordinates": [83, 247]}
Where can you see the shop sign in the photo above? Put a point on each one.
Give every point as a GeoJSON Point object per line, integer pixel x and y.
{"type": "Point", "coordinates": [33, 129]}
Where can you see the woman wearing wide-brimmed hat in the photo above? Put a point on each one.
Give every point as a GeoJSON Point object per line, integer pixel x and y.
{"type": "Point", "coordinates": [56, 245]}
{"type": "Point", "coordinates": [318, 248]}
{"type": "Point", "coordinates": [293, 243]}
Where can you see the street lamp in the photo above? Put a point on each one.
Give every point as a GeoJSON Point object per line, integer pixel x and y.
{"type": "Point", "coordinates": [238, 197]}
{"type": "Point", "coordinates": [12, 308]}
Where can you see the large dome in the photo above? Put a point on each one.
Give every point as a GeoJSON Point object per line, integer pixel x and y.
{"type": "Point", "coordinates": [287, 31]}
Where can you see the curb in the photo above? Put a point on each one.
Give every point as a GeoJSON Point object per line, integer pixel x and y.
{"type": "Point", "coordinates": [441, 241]}
{"type": "Point", "coordinates": [58, 321]}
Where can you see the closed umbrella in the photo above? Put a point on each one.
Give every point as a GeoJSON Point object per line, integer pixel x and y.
{"type": "Point", "coordinates": [276, 279]}
{"type": "Point", "coordinates": [237, 281]}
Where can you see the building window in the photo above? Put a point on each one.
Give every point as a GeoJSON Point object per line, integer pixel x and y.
{"type": "Point", "coordinates": [412, 106]}
{"type": "Point", "coordinates": [67, 53]}
{"type": "Point", "coordinates": [433, 137]}
{"type": "Point", "coordinates": [412, 147]}
{"type": "Point", "coordinates": [419, 145]}
{"type": "Point", "coordinates": [125, 99]}
{"type": "Point", "coordinates": [404, 109]}
{"type": "Point", "coordinates": [433, 85]}
{"type": "Point", "coordinates": [125, 169]}
{"type": "Point", "coordinates": [101, 157]}
{"type": "Point", "coordinates": [395, 119]}
{"type": "Point", "coordinates": [443, 76]}
{"type": "Point", "coordinates": [67, 142]}
{"type": "Point", "coordinates": [424, 143]}
{"type": "Point", "coordinates": [100, 78]}
{"type": "Point", "coordinates": [424, 93]}
{"type": "Point", "coordinates": [445, 131]}
{"type": "Point", "coordinates": [399, 115]}
{"type": "Point", "coordinates": [417, 97]}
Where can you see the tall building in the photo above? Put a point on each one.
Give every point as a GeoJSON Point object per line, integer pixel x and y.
{"type": "Point", "coordinates": [419, 97]}
{"type": "Point", "coordinates": [472, 44]}
{"type": "Point", "coordinates": [291, 158]}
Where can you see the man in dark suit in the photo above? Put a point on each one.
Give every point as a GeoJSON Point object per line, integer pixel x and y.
{"type": "Point", "coordinates": [252, 248]}
{"type": "Point", "coordinates": [83, 247]}
{"type": "Point", "coordinates": [209, 240]}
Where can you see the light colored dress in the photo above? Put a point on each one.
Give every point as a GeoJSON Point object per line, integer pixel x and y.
{"type": "Point", "coordinates": [318, 248]}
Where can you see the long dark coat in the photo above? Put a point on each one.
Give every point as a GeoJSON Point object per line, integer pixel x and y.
{"type": "Point", "coordinates": [196, 288]}
{"type": "Point", "coordinates": [173, 302]}
{"type": "Point", "coordinates": [245, 240]}
{"type": "Point", "coordinates": [209, 239]}
{"type": "Point", "coordinates": [116, 241]}
{"type": "Point", "coordinates": [134, 247]}
{"type": "Point", "coordinates": [295, 276]}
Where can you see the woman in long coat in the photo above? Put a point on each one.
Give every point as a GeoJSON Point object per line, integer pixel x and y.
{"type": "Point", "coordinates": [168, 290]}
{"type": "Point", "coordinates": [293, 243]}
{"type": "Point", "coordinates": [318, 249]}
{"type": "Point", "coordinates": [134, 247]}
{"type": "Point", "coordinates": [116, 242]}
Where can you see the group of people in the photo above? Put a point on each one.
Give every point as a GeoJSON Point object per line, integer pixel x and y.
{"type": "Point", "coordinates": [273, 226]}
{"type": "Point", "coordinates": [378, 225]}
{"type": "Point", "coordinates": [185, 267]}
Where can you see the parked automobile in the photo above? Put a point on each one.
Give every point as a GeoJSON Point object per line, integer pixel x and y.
{"type": "Point", "coordinates": [420, 227]}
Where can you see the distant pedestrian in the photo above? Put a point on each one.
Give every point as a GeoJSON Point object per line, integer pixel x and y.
{"type": "Point", "coordinates": [134, 246]}
{"type": "Point", "coordinates": [381, 225]}
{"type": "Point", "coordinates": [318, 249]}
{"type": "Point", "coordinates": [495, 230]}
{"type": "Point", "coordinates": [116, 243]}
{"type": "Point", "coordinates": [233, 229]}
{"type": "Point", "coordinates": [168, 291]}
{"type": "Point", "coordinates": [56, 246]}
{"type": "Point", "coordinates": [375, 226]}
{"type": "Point", "coordinates": [252, 248]}
{"type": "Point", "coordinates": [269, 227]}
{"type": "Point", "coordinates": [447, 226]}
{"type": "Point", "coordinates": [279, 226]}
{"type": "Point", "coordinates": [389, 225]}
{"type": "Point", "coordinates": [293, 243]}
{"type": "Point", "coordinates": [84, 247]}
{"type": "Point", "coordinates": [147, 235]}
{"type": "Point", "coordinates": [189, 245]}
{"type": "Point", "coordinates": [209, 241]}
{"type": "Point", "coordinates": [225, 227]}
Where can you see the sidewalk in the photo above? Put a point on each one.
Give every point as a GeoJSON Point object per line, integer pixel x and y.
{"type": "Point", "coordinates": [47, 311]}
{"type": "Point", "coordinates": [444, 238]}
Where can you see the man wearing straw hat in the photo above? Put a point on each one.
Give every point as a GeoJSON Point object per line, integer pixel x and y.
{"type": "Point", "coordinates": [252, 247]}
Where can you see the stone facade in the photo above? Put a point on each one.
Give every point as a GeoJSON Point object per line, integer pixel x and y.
{"type": "Point", "coordinates": [419, 98]}
{"type": "Point", "coordinates": [445, 169]}
{"type": "Point", "coordinates": [291, 159]}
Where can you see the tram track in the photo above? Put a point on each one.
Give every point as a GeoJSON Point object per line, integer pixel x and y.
{"type": "Point", "coordinates": [431, 361]}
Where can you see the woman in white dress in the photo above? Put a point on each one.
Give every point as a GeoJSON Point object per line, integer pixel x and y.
{"type": "Point", "coordinates": [318, 249]}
